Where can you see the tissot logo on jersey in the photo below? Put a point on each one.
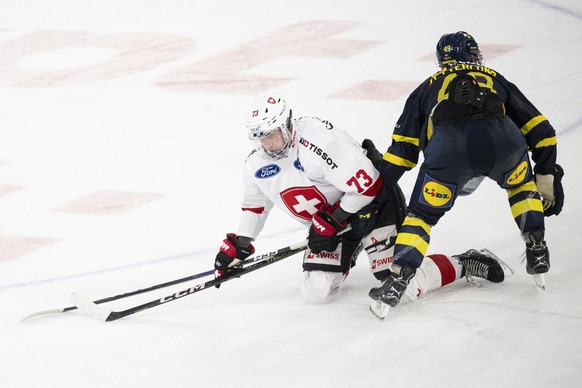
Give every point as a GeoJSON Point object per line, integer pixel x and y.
{"type": "Point", "coordinates": [318, 151]}
{"type": "Point", "coordinates": [267, 171]}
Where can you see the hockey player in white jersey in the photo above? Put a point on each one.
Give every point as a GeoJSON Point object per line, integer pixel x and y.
{"type": "Point", "coordinates": [320, 176]}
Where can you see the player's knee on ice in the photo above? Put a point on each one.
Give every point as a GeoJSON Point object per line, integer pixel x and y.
{"type": "Point", "coordinates": [320, 286]}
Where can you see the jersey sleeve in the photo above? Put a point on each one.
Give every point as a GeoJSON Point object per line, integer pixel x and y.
{"type": "Point", "coordinates": [539, 133]}
{"type": "Point", "coordinates": [342, 162]}
{"type": "Point", "coordinates": [255, 208]}
{"type": "Point", "coordinates": [403, 152]}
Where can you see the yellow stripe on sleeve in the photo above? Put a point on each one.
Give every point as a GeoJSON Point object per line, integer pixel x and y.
{"type": "Point", "coordinates": [398, 160]}
{"type": "Point", "coordinates": [406, 139]}
{"type": "Point", "coordinates": [550, 141]}
{"type": "Point", "coordinates": [532, 123]}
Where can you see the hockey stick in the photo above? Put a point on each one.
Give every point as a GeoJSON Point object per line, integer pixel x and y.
{"type": "Point", "coordinates": [143, 290]}
{"type": "Point", "coordinates": [121, 296]}
{"type": "Point", "coordinates": [101, 313]}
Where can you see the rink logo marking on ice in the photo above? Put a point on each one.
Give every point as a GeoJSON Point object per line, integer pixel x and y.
{"type": "Point", "coordinates": [377, 90]}
{"type": "Point", "coordinates": [267, 171]}
{"type": "Point", "coordinates": [5, 189]}
{"type": "Point", "coordinates": [436, 194]}
{"type": "Point", "coordinates": [108, 202]}
{"type": "Point", "coordinates": [56, 58]}
{"type": "Point", "coordinates": [48, 58]}
{"type": "Point", "coordinates": [51, 58]}
{"type": "Point", "coordinates": [226, 73]}
{"type": "Point", "coordinates": [12, 247]}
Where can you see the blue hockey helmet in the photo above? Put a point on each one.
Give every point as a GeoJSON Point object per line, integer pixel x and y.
{"type": "Point", "coordinates": [458, 47]}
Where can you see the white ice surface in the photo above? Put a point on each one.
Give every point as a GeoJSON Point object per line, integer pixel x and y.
{"type": "Point", "coordinates": [79, 118]}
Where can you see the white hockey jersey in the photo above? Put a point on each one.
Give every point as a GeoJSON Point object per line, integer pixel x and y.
{"type": "Point", "coordinates": [324, 165]}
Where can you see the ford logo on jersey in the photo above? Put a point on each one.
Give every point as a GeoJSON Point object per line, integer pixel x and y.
{"type": "Point", "coordinates": [267, 171]}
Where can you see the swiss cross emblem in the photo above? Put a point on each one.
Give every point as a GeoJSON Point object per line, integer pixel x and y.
{"type": "Point", "coordinates": [303, 202]}
{"type": "Point", "coordinates": [271, 100]}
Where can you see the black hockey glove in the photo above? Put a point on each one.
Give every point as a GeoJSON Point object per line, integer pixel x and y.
{"type": "Point", "coordinates": [228, 261]}
{"type": "Point", "coordinates": [323, 232]}
{"type": "Point", "coordinates": [372, 152]}
{"type": "Point", "coordinates": [391, 173]}
{"type": "Point", "coordinates": [554, 206]}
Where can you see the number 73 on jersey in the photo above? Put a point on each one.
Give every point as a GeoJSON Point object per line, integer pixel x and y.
{"type": "Point", "coordinates": [361, 180]}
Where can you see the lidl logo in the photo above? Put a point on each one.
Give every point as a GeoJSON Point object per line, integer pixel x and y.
{"type": "Point", "coordinates": [518, 175]}
{"type": "Point", "coordinates": [436, 194]}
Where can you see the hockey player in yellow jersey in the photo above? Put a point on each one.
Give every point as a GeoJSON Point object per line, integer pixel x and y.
{"type": "Point", "coordinates": [470, 123]}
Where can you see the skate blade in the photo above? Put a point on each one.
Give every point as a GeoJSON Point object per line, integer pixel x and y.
{"type": "Point", "coordinates": [472, 281]}
{"type": "Point", "coordinates": [379, 309]}
{"type": "Point", "coordinates": [540, 280]}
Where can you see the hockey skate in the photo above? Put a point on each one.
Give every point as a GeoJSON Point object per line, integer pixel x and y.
{"type": "Point", "coordinates": [390, 292]}
{"type": "Point", "coordinates": [537, 257]}
{"type": "Point", "coordinates": [536, 253]}
{"type": "Point", "coordinates": [482, 264]}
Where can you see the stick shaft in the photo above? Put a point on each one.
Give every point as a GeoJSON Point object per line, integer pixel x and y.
{"type": "Point", "coordinates": [270, 259]}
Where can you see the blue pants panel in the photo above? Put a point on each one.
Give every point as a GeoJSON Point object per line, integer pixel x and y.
{"type": "Point", "coordinates": [461, 150]}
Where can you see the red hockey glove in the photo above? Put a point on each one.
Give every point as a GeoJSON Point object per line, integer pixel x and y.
{"type": "Point", "coordinates": [323, 232]}
{"type": "Point", "coordinates": [229, 259]}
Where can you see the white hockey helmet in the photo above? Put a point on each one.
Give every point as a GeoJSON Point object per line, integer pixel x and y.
{"type": "Point", "coordinates": [268, 115]}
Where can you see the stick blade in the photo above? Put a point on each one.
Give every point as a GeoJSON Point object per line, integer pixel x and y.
{"type": "Point", "coordinates": [43, 312]}
{"type": "Point", "coordinates": [87, 306]}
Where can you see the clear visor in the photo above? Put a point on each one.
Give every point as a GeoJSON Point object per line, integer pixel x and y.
{"type": "Point", "coordinates": [259, 132]}
{"type": "Point", "coordinates": [271, 144]}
